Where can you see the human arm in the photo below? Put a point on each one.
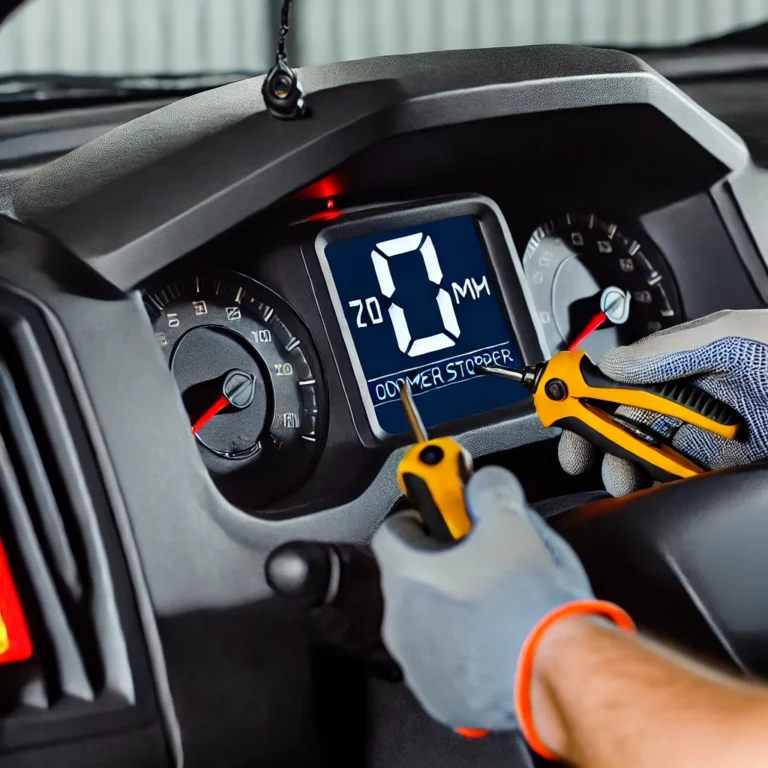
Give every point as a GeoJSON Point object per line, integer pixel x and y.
{"type": "Point", "coordinates": [603, 698]}
{"type": "Point", "coordinates": [726, 355]}
{"type": "Point", "coordinates": [459, 620]}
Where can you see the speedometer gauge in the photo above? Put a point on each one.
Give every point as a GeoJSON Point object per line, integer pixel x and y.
{"type": "Point", "coordinates": [595, 288]}
{"type": "Point", "coordinates": [249, 379]}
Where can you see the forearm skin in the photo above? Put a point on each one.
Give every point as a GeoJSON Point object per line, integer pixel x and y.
{"type": "Point", "coordinates": [607, 699]}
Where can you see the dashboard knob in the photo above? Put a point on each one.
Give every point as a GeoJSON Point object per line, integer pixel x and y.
{"type": "Point", "coordinates": [304, 571]}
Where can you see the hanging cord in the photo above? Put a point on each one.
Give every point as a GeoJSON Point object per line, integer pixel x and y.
{"type": "Point", "coordinates": [285, 27]}
{"type": "Point", "coordinates": [282, 90]}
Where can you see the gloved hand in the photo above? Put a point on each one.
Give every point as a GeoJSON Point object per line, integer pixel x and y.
{"type": "Point", "coordinates": [727, 354]}
{"type": "Point", "coordinates": [456, 618]}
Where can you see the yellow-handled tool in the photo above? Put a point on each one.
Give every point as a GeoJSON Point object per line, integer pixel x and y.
{"type": "Point", "coordinates": [432, 475]}
{"type": "Point", "coordinates": [571, 392]}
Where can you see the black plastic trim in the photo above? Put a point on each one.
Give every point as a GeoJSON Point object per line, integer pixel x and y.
{"type": "Point", "coordinates": [193, 169]}
{"type": "Point", "coordinates": [61, 346]}
{"type": "Point", "coordinates": [744, 241]}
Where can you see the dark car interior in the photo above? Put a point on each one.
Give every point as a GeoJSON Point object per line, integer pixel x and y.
{"type": "Point", "coordinates": [158, 250]}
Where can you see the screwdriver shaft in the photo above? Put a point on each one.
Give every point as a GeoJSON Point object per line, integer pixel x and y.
{"type": "Point", "coordinates": [515, 374]}
{"type": "Point", "coordinates": [412, 414]}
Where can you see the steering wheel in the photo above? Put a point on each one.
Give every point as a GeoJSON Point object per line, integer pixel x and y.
{"type": "Point", "coordinates": [687, 560]}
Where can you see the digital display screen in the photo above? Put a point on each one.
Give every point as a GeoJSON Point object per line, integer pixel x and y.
{"type": "Point", "coordinates": [420, 306]}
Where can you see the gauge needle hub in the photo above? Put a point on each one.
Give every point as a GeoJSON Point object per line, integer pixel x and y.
{"type": "Point", "coordinates": [614, 306]}
{"type": "Point", "coordinates": [238, 390]}
{"type": "Point", "coordinates": [615, 303]}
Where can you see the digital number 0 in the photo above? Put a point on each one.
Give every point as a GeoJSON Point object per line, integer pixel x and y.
{"type": "Point", "coordinates": [423, 245]}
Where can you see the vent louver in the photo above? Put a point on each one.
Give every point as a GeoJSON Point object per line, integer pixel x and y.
{"type": "Point", "coordinates": [88, 675]}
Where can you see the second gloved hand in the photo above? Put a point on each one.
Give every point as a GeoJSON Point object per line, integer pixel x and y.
{"type": "Point", "coordinates": [726, 355]}
{"type": "Point", "coordinates": [456, 618]}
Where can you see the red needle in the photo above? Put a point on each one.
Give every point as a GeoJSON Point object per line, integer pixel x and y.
{"type": "Point", "coordinates": [591, 327]}
{"type": "Point", "coordinates": [216, 408]}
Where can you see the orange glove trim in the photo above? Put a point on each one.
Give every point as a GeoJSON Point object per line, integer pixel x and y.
{"type": "Point", "coordinates": [472, 733]}
{"type": "Point", "coordinates": [528, 655]}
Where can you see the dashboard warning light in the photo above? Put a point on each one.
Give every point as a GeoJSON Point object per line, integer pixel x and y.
{"type": "Point", "coordinates": [329, 213]}
{"type": "Point", "coordinates": [15, 642]}
{"type": "Point", "coordinates": [331, 185]}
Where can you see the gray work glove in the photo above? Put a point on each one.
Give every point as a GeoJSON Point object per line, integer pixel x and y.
{"type": "Point", "coordinates": [456, 617]}
{"type": "Point", "coordinates": [727, 354]}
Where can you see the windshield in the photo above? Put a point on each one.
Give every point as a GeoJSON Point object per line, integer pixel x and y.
{"type": "Point", "coordinates": [134, 37]}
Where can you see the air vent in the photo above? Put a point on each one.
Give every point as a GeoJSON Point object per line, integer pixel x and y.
{"type": "Point", "coordinates": [88, 674]}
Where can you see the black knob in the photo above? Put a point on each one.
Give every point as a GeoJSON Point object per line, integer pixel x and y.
{"type": "Point", "coordinates": [339, 584]}
{"type": "Point", "coordinates": [304, 571]}
{"type": "Point", "coordinates": [239, 388]}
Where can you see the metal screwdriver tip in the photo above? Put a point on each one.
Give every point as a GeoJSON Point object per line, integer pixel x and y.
{"type": "Point", "coordinates": [412, 414]}
{"type": "Point", "coordinates": [515, 374]}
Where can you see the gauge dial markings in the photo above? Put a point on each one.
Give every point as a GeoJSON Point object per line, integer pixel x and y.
{"type": "Point", "coordinates": [568, 263]}
{"type": "Point", "coordinates": [220, 323]}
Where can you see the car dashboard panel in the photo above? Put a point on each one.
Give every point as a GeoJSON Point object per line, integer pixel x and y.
{"type": "Point", "coordinates": [236, 306]}
{"type": "Point", "coordinates": [516, 253]}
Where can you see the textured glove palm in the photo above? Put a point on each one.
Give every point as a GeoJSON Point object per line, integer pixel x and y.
{"type": "Point", "coordinates": [726, 354]}
{"type": "Point", "coordinates": [456, 618]}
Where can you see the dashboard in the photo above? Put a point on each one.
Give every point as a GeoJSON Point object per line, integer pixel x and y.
{"type": "Point", "coordinates": [419, 293]}
{"type": "Point", "coordinates": [218, 310]}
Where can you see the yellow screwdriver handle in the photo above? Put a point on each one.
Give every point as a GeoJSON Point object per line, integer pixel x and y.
{"type": "Point", "coordinates": [432, 475]}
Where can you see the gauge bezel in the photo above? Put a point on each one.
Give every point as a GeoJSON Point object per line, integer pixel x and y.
{"type": "Point", "coordinates": [505, 271]}
{"type": "Point", "coordinates": [282, 308]}
{"type": "Point", "coordinates": [616, 230]}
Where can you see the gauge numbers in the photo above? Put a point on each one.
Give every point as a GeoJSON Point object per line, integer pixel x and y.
{"type": "Point", "coordinates": [249, 378]}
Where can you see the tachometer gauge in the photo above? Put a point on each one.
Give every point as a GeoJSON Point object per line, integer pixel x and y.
{"type": "Point", "coordinates": [594, 288]}
{"type": "Point", "coordinates": [249, 378]}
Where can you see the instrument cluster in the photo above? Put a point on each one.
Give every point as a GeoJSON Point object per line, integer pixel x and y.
{"type": "Point", "coordinates": [422, 294]}
{"type": "Point", "coordinates": [250, 380]}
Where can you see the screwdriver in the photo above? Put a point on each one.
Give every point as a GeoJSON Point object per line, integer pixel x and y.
{"type": "Point", "coordinates": [432, 475]}
{"type": "Point", "coordinates": [571, 392]}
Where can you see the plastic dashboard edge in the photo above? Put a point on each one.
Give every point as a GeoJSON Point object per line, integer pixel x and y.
{"type": "Point", "coordinates": [179, 201]}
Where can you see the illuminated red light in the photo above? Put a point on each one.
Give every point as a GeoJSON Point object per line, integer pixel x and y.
{"type": "Point", "coordinates": [329, 186]}
{"type": "Point", "coordinates": [325, 189]}
{"type": "Point", "coordinates": [15, 642]}
{"type": "Point", "coordinates": [324, 216]}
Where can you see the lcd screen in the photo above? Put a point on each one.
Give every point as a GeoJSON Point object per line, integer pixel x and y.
{"type": "Point", "coordinates": [420, 305]}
